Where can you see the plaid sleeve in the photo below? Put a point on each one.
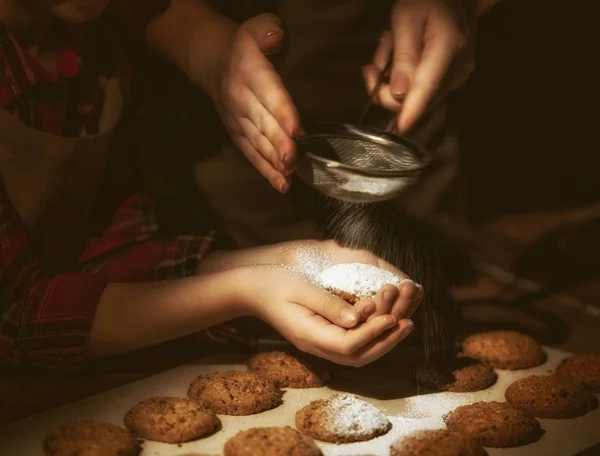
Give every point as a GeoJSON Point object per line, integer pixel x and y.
{"type": "Point", "coordinates": [44, 320]}
{"type": "Point", "coordinates": [130, 250]}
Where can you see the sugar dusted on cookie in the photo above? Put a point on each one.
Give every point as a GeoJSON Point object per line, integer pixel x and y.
{"type": "Point", "coordinates": [353, 281]}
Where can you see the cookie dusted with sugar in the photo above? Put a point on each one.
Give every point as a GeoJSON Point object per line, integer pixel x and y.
{"type": "Point", "coordinates": [354, 281]}
{"type": "Point", "coordinates": [342, 418]}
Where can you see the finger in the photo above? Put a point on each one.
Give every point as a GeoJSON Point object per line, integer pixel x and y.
{"type": "Point", "coordinates": [327, 305]}
{"type": "Point", "coordinates": [374, 349]}
{"type": "Point", "coordinates": [357, 337]}
{"type": "Point", "coordinates": [384, 300]}
{"type": "Point", "coordinates": [365, 308]}
{"type": "Point", "coordinates": [407, 42]}
{"type": "Point", "coordinates": [275, 178]}
{"type": "Point", "coordinates": [330, 338]}
{"type": "Point", "coordinates": [267, 31]}
{"type": "Point", "coordinates": [260, 142]}
{"type": "Point", "coordinates": [408, 299]}
{"type": "Point", "coordinates": [438, 55]}
{"type": "Point", "coordinates": [383, 344]}
{"type": "Point", "coordinates": [383, 97]}
{"type": "Point", "coordinates": [383, 53]}
{"type": "Point", "coordinates": [282, 121]}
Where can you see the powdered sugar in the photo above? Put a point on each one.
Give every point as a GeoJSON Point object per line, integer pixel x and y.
{"type": "Point", "coordinates": [360, 280]}
{"type": "Point", "coordinates": [311, 261]}
{"type": "Point", "coordinates": [351, 416]}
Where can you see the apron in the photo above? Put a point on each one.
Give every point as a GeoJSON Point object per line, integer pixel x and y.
{"type": "Point", "coordinates": [327, 43]}
{"type": "Point", "coordinates": [52, 181]}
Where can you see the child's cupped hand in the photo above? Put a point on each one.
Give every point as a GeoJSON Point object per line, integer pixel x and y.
{"type": "Point", "coordinates": [319, 323]}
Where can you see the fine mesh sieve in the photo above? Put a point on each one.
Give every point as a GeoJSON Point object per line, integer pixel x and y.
{"type": "Point", "coordinates": [358, 164]}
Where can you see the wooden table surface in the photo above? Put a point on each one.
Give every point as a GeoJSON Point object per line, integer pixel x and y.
{"type": "Point", "coordinates": [567, 318]}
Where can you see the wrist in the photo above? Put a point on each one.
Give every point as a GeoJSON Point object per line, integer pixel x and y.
{"type": "Point", "coordinates": [246, 291]}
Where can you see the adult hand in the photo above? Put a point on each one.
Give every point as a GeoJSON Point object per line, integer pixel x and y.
{"type": "Point", "coordinates": [432, 53]}
{"type": "Point", "coordinates": [253, 103]}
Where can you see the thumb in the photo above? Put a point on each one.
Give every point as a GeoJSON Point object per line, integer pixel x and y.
{"type": "Point", "coordinates": [267, 31]}
{"type": "Point", "coordinates": [327, 305]}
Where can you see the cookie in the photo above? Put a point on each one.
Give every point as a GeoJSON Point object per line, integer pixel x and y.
{"type": "Point", "coordinates": [458, 374]}
{"type": "Point", "coordinates": [495, 424]}
{"type": "Point", "coordinates": [550, 397]}
{"type": "Point", "coordinates": [582, 369]}
{"type": "Point", "coordinates": [504, 349]}
{"type": "Point", "coordinates": [91, 438]}
{"type": "Point", "coordinates": [271, 441]}
{"type": "Point", "coordinates": [342, 418]}
{"type": "Point", "coordinates": [439, 442]}
{"type": "Point", "coordinates": [170, 420]}
{"type": "Point", "coordinates": [235, 393]}
{"type": "Point", "coordinates": [287, 371]}
{"type": "Point", "coordinates": [354, 281]}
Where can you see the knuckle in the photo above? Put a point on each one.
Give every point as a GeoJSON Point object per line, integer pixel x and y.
{"type": "Point", "coordinates": [405, 59]}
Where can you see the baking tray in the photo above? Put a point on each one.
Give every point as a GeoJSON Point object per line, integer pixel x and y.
{"type": "Point", "coordinates": [407, 411]}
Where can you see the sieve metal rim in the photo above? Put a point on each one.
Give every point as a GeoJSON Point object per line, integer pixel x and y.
{"type": "Point", "coordinates": [348, 131]}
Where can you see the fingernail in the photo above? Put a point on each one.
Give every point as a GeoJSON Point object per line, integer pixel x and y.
{"type": "Point", "coordinates": [271, 33]}
{"type": "Point", "coordinates": [288, 160]}
{"type": "Point", "coordinates": [390, 320]}
{"type": "Point", "coordinates": [284, 186]}
{"type": "Point", "coordinates": [400, 86]}
{"type": "Point", "coordinates": [349, 316]}
{"type": "Point", "coordinates": [409, 328]}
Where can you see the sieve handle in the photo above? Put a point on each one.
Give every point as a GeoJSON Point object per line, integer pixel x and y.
{"type": "Point", "coordinates": [382, 78]}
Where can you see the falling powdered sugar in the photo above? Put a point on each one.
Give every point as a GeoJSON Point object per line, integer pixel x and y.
{"type": "Point", "coordinates": [357, 279]}
{"type": "Point", "coordinates": [351, 417]}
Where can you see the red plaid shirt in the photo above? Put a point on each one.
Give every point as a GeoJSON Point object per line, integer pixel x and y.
{"type": "Point", "coordinates": [45, 319]}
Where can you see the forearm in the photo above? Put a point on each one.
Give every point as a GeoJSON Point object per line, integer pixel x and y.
{"type": "Point", "coordinates": [192, 28]}
{"type": "Point", "coordinates": [135, 316]}
{"type": "Point", "coordinates": [269, 254]}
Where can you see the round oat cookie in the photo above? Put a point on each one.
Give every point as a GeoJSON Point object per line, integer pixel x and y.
{"type": "Point", "coordinates": [287, 371]}
{"type": "Point", "coordinates": [583, 369]}
{"type": "Point", "coordinates": [271, 441]}
{"type": "Point", "coordinates": [170, 419]}
{"type": "Point", "coordinates": [342, 418]}
{"type": "Point", "coordinates": [235, 392]}
{"type": "Point", "coordinates": [549, 397]}
{"type": "Point", "coordinates": [504, 349]}
{"type": "Point", "coordinates": [458, 374]}
{"type": "Point", "coordinates": [91, 438]}
{"type": "Point", "coordinates": [438, 442]}
{"type": "Point", "coordinates": [495, 424]}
